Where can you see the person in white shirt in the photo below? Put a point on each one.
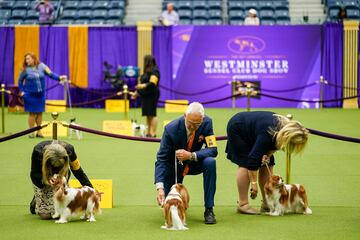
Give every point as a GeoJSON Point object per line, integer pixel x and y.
{"type": "Point", "coordinates": [252, 18]}
{"type": "Point", "coordinates": [169, 16]}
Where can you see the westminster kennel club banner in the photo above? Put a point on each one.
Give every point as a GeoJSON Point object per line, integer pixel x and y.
{"type": "Point", "coordinates": [281, 58]}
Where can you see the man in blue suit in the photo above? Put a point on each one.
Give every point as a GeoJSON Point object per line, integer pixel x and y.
{"type": "Point", "coordinates": [184, 138]}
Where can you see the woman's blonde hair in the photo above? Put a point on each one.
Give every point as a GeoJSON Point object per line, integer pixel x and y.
{"type": "Point", "coordinates": [290, 133]}
{"type": "Point", "coordinates": [55, 156]}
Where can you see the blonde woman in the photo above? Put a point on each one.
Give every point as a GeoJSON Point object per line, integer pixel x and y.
{"type": "Point", "coordinates": [253, 137]}
{"type": "Point", "coordinates": [49, 158]}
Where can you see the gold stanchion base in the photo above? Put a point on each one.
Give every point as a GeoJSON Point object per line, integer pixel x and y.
{"type": "Point", "coordinates": [350, 103]}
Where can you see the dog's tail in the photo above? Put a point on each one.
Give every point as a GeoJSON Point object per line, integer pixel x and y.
{"type": "Point", "coordinates": [97, 199]}
{"type": "Point", "coordinates": [176, 221]}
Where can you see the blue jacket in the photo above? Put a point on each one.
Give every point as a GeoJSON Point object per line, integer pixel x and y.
{"type": "Point", "coordinates": [175, 138]}
{"type": "Point", "coordinates": [32, 79]}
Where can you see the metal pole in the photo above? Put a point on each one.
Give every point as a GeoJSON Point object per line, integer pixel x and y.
{"type": "Point", "coordinates": [3, 108]}
{"type": "Point", "coordinates": [54, 115]}
{"type": "Point", "coordinates": [233, 88]}
{"type": "Point", "coordinates": [288, 157]}
{"type": "Point", "coordinates": [248, 94]}
{"type": "Point", "coordinates": [321, 92]}
{"type": "Point", "coordinates": [126, 92]}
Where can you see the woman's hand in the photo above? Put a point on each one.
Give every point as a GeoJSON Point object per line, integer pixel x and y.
{"type": "Point", "coordinates": [140, 86]}
{"type": "Point", "coordinates": [253, 190]}
{"type": "Point", "coordinates": [160, 196]}
{"type": "Point", "coordinates": [265, 160]}
{"type": "Point", "coordinates": [63, 79]}
{"type": "Point", "coordinates": [133, 95]}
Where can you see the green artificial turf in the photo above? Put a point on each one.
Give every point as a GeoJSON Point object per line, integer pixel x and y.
{"type": "Point", "coordinates": [328, 168]}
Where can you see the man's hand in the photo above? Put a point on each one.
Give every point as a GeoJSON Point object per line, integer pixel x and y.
{"type": "Point", "coordinates": [182, 155]}
{"type": "Point", "coordinates": [160, 196]}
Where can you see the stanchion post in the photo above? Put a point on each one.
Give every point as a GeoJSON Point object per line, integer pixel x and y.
{"type": "Point", "coordinates": [248, 94]}
{"type": "Point", "coordinates": [233, 89]}
{"type": "Point", "coordinates": [288, 157]}
{"type": "Point", "coordinates": [54, 115]}
{"type": "Point", "coordinates": [3, 108]}
{"type": "Point", "coordinates": [126, 92]}
{"type": "Point", "coordinates": [321, 92]}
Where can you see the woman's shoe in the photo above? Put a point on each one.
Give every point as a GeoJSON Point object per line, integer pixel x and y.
{"type": "Point", "coordinates": [246, 209]}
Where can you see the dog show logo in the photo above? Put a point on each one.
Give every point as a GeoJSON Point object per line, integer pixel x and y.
{"type": "Point", "coordinates": [246, 45]}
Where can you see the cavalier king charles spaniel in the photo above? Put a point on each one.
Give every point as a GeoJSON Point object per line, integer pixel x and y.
{"type": "Point", "coordinates": [175, 205]}
{"type": "Point", "coordinates": [285, 198]}
{"type": "Point", "coordinates": [73, 201]}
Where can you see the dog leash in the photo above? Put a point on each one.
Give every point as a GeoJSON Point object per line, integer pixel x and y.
{"type": "Point", "coordinates": [267, 166]}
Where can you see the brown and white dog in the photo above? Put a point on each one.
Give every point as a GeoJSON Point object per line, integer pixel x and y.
{"type": "Point", "coordinates": [175, 205]}
{"type": "Point", "coordinates": [73, 201]}
{"type": "Point", "coordinates": [285, 198]}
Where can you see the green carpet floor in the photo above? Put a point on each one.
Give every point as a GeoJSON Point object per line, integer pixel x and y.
{"type": "Point", "coordinates": [328, 168]}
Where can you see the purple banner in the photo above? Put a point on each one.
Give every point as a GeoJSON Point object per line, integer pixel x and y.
{"type": "Point", "coordinates": [280, 57]}
{"type": "Point", "coordinates": [7, 42]}
{"type": "Point", "coordinates": [54, 53]}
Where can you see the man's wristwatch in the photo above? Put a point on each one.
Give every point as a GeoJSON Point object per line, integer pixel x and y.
{"type": "Point", "coordinates": [192, 156]}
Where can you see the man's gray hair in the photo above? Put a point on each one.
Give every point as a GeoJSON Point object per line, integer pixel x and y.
{"type": "Point", "coordinates": [195, 107]}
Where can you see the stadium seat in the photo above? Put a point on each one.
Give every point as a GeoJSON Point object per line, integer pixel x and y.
{"type": "Point", "coordinates": [69, 14]}
{"type": "Point", "coordinates": [115, 14]}
{"type": "Point", "coordinates": [235, 5]}
{"type": "Point", "coordinates": [3, 22]}
{"type": "Point", "coordinates": [215, 4]}
{"type": "Point", "coordinates": [268, 21]}
{"type": "Point", "coordinates": [99, 14]}
{"type": "Point", "coordinates": [265, 5]}
{"type": "Point", "coordinates": [117, 5]}
{"type": "Point", "coordinates": [215, 21]}
{"type": "Point", "coordinates": [185, 21]}
{"type": "Point", "coordinates": [283, 21]}
{"type": "Point", "coordinates": [113, 22]}
{"type": "Point", "coordinates": [353, 14]}
{"type": "Point", "coordinates": [86, 5]}
{"type": "Point", "coordinates": [71, 5]}
{"type": "Point", "coordinates": [280, 4]}
{"type": "Point", "coordinates": [98, 21]}
{"type": "Point", "coordinates": [282, 14]}
{"type": "Point", "coordinates": [101, 5]}
{"type": "Point", "coordinates": [15, 21]}
{"type": "Point", "coordinates": [198, 4]}
{"type": "Point", "coordinates": [236, 15]}
{"type": "Point", "coordinates": [251, 4]}
{"type": "Point", "coordinates": [199, 21]}
{"type": "Point", "coordinates": [200, 13]}
{"type": "Point", "coordinates": [84, 14]}
{"type": "Point", "coordinates": [32, 14]}
{"type": "Point", "coordinates": [214, 13]}
{"type": "Point", "coordinates": [236, 22]}
{"type": "Point", "coordinates": [266, 13]}
{"type": "Point", "coordinates": [351, 4]}
{"type": "Point", "coordinates": [5, 13]}
{"type": "Point", "coordinates": [7, 5]}
{"type": "Point", "coordinates": [81, 21]}
{"type": "Point", "coordinates": [333, 13]}
{"type": "Point", "coordinates": [30, 22]}
{"type": "Point", "coordinates": [21, 5]}
{"type": "Point", "coordinates": [18, 14]}
{"type": "Point", "coordinates": [184, 5]}
{"type": "Point", "coordinates": [64, 22]}
{"type": "Point", "coordinates": [185, 13]}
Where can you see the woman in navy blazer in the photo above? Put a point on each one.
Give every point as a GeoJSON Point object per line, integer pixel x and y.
{"type": "Point", "coordinates": [253, 137]}
{"type": "Point", "coordinates": [191, 160]}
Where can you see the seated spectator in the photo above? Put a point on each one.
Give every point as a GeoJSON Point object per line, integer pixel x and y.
{"type": "Point", "coordinates": [169, 16]}
{"type": "Point", "coordinates": [252, 18]}
{"type": "Point", "coordinates": [45, 9]}
{"type": "Point", "coordinates": [342, 15]}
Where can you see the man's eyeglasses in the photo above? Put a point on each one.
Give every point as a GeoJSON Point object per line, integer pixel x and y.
{"type": "Point", "coordinates": [194, 124]}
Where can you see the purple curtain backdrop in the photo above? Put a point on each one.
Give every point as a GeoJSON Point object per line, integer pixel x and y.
{"type": "Point", "coordinates": [54, 52]}
{"type": "Point", "coordinates": [162, 51]}
{"type": "Point", "coordinates": [7, 41]}
{"type": "Point", "coordinates": [332, 62]}
{"type": "Point", "coordinates": [116, 45]}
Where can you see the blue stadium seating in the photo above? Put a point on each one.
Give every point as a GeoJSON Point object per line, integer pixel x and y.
{"type": "Point", "coordinates": [215, 21]}
{"type": "Point", "coordinates": [199, 21]}
{"type": "Point", "coordinates": [5, 13]}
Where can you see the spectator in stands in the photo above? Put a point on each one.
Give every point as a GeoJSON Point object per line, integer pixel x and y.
{"type": "Point", "coordinates": [252, 18]}
{"type": "Point", "coordinates": [169, 16]}
{"type": "Point", "coordinates": [342, 15]}
{"type": "Point", "coordinates": [252, 139]}
{"type": "Point", "coordinates": [148, 89]}
{"type": "Point", "coordinates": [45, 9]}
{"type": "Point", "coordinates": [49, 158]}
{"type": "Point", "coordinates": [32, 88]}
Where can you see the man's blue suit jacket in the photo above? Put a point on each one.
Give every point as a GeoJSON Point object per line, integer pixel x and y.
{"type": "Point", "coordinates": [174, 138]}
